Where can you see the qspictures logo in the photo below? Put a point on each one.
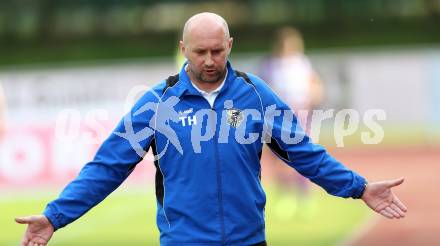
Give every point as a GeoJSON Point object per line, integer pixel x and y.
{"type": "Point", "coordinates": [143, 121]}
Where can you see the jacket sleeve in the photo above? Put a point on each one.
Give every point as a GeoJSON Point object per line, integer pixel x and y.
{"type": "Point", "coordinates": [115, 159]}
{"type": "Point", "coordinates": [290, 143]}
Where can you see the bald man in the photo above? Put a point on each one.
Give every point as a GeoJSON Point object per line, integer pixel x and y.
{"type": "Point", "coordinates": [208, 186]}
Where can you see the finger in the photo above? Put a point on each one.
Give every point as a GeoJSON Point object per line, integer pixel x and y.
{"type": "Point", "coordinates": [386, 214]}
{"type": "Point", "coordinates": [33, 243]}
{"type": "Point", "coordinates": [23, 220]}
{"type": "Point", "coordinates": [38, 240]}
{"type": "Point", "coordinates": [381, 206]}
{"type": "Point", "coordinates": [397, 201]}
{"type": "Point", "coordinates": [25, 241]}
{"type": "Point", "coordinates": [397, 209]}
{"type": "Point", "coordinates": [395, 182]}
{"type": "Point", "coordinates": [394, 213]}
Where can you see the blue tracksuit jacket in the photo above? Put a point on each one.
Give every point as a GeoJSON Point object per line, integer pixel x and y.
{"type": "Point", "coordinates": [208, 175]}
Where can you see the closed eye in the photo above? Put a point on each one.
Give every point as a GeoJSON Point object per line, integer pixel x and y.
{"type": "Point", "coordinates": [217, 51]}
{"type": "Point", "coordinates": [200, 51]}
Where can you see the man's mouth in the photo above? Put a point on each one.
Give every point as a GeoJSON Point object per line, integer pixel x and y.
{"type": "Point", "coordinates": [210, 71]}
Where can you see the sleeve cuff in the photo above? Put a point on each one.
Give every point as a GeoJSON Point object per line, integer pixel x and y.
{"type": "Point", "coordinates": [359, 191]}
{"type": "Point", "coordinates": [53, 217]}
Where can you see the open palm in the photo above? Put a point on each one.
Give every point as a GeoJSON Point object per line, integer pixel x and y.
{"type": "Point", "coordinates": [38, 232]}
{"type": "Point", "coordinates": [379, 197]}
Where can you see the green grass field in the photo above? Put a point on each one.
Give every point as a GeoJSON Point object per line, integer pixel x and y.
{"type": "Point", "coordinates": [127, 217]}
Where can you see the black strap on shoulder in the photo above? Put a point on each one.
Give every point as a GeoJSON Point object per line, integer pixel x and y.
{"type": "Point", "coordinates": [244, 76]}
{"type": "Point", "coordinates": [171, 81]}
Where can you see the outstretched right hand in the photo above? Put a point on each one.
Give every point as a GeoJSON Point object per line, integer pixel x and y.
{"type": "Point", "coordinates": [38, 232]}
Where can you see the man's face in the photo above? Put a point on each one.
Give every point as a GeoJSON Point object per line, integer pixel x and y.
{"type": "Point", "coordinates": [207, 53]}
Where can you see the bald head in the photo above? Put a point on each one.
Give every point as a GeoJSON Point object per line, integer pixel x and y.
{"type": "Point", "coordinates": [204, 22]}
{"type": "Point", "coordinates": [206, 44]}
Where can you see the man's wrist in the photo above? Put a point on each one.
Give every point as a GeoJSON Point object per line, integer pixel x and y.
{"type": "Point", "coordinates": [364, 189]}
{"type": "Point", "coordinates": [360, 192]}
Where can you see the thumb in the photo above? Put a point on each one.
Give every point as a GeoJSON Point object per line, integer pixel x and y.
{"type": "Point", "coordinates": [395, 182]}
{"type": "Point", "coordinates": [24, 220]}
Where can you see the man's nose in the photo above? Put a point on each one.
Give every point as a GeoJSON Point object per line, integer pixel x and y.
{"type": "Point", "coordinates": [208, 60]}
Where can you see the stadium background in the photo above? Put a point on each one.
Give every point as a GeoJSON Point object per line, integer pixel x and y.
{"type": "Point", "coordinates": [68, 66]}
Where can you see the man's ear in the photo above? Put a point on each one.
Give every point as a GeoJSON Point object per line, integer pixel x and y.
{"type": "Point", "coordinates": [182, 47]}
{"type": "Point", "coordinates": [230, 42]}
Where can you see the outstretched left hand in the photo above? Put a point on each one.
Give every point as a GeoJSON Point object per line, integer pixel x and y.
{"type": "Point", "coordinates": [379, 197]}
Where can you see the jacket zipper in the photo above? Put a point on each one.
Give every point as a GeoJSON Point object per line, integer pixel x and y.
{"type": "Point", "coordinates": [219, 184]}
{"type": "Point", "coordinates": [219, 178]}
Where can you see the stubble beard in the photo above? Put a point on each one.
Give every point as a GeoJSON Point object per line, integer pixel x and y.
{"type": "Point", "coordinates": [201, 77]}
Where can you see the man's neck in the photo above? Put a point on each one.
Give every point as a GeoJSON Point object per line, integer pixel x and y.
{"type": "Point", "coordinates": [206, 86]}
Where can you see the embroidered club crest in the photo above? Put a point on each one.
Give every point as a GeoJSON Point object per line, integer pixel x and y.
{"type": "Point", "coordinates": [235, 117]}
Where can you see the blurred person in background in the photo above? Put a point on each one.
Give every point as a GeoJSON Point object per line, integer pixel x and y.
{"type": "Point", "coordinates": [290, 74]}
